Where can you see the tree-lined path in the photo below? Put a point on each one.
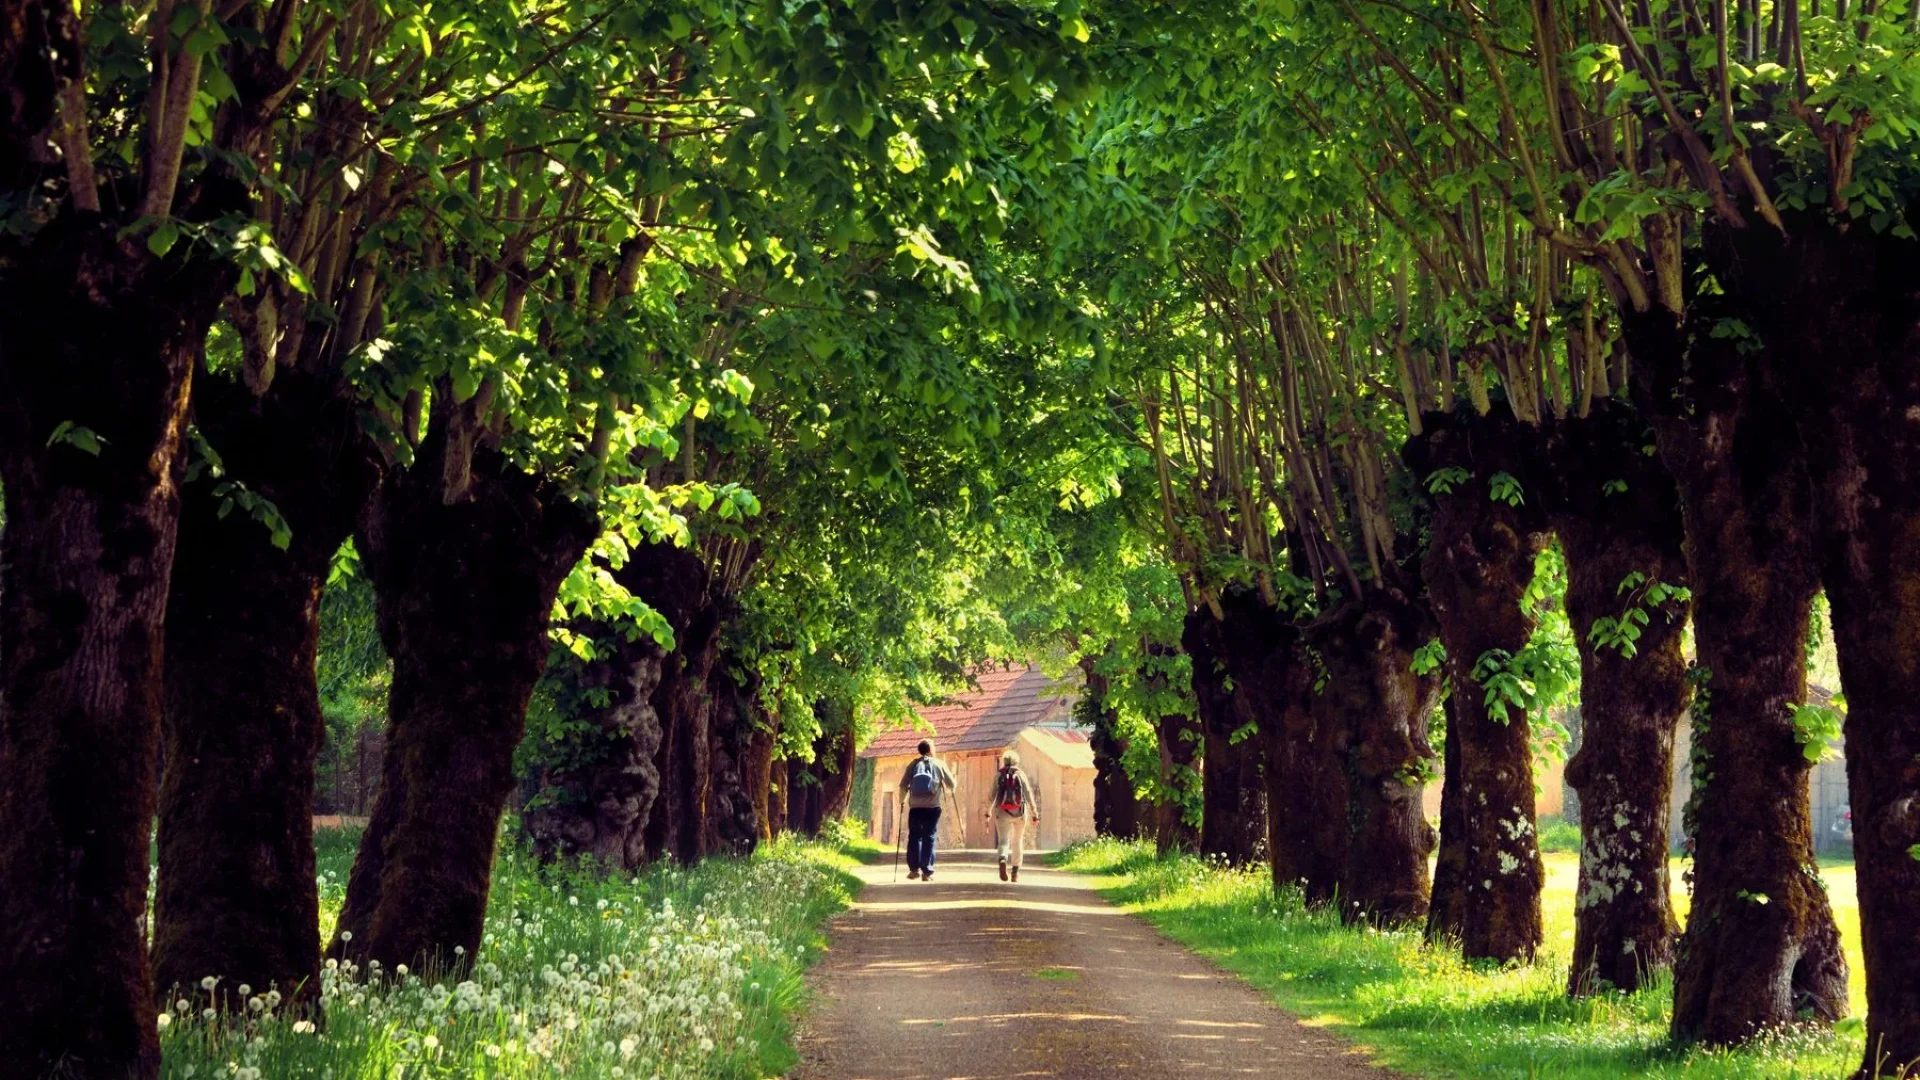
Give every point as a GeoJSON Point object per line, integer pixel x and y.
{"type": "Point", "coordinates": [967, 977]}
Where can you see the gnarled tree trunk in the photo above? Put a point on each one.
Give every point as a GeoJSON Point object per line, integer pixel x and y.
{"type": "Point", "coordinates": [598, 807]}
{"type": "Point", "coordinates": [1233, 819]}
{"type": "Point", "coordinates": [605, 804]}
{"type": "Point", "coordinates": [1840, 313]}
{"type": "Point", "coordinates": [1476, 571]}
{"type": "Point", "coordinates": [1618, 518]}
{"type": "Point", "coordinates": [733, 822]}
{"type": "Point", "coordinates": [236, 896]}
{"type": "Point", "coordinates": [1383, 706]}
{"type": "Point", "coordinates": [99, 344]}
{"type": "Point", "coordinates": [1760, 944]}
{"type": "Point", "coordinates": [464, 590]}
{"type": "Point", "coordinates": [834, 757]}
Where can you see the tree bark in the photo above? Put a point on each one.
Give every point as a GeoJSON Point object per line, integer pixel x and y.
{"type": "Point", "coordinates": [761, 744]}
{"type": "Point", "coordinates": [1179, 745]}
{"type": "Point", "coordinates": [1380, 707]}
{"type": "Point", "coordinates": [1233, 819]}
{"type": "Point", "coordinates": [465, 661]}
{"type": "Point", "coordinates": [1477, 569]}
{"type": "Point", "coordinates": [236, 896]}
{"type": "Point", "coordinates": [1760, 946]}
{"type": "Point", "coordinates": [1116, 806]}
{"type": "Point", "coordinates": [778, 788]}
{"type": "Point", "coordinates": [733, 819]}
{"type": "Point", "coordinates": [1617, 514]}
{"type": "Point", "coordinates": [99, 344]}
{"type": "Point", "coordinates": [1447, 909]}
{"type": "Point", "coordinates": [678, 828]}
{"type": "Point", "coordinates": [834, 757]}
{"type": "Point", "coordinates": [598, 806]}
{"type": "Point", "coordinates": [605, 805]}
{"type": "Point", "coordinates": [1851, 379]}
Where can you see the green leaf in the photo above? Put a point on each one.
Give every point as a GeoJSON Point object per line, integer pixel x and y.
{"type": "Point", "coordinates": [162, 239]}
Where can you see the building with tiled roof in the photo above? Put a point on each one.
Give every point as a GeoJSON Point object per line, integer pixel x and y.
{"type": "Point", "coordinates": [1016, 707]}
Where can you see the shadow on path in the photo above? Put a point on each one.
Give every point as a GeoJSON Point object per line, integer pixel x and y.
{"type": "Point", "coordinates": [968, 978]}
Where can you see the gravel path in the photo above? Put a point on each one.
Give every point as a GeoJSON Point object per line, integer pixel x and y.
{"type": "Point", "coordinates": [966, 978]}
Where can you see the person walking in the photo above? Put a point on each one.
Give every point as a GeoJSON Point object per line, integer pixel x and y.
{"type": "Point", "coordinates": [920, 789]}
{"type": "Point", "coordinates": [1013, 806]}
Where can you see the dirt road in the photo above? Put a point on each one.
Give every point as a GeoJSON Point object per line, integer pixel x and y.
{"type": "Point", "coordinates": [966, 978]}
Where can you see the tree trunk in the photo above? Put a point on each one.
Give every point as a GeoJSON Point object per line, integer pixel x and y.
{"type": "Point", "coordinates": [834, 757]}
{"type": "Point", "coordinates": [1380, 706]}
{"type": "Point", "coordinates": [1617, 514]}
{"type": "Point", "coordinates": [804, 807]}
{"type": "Point", "coordinates": [779, 787]}
{"type": "Point", "coordinates": [678, 827]}
{"type": "Point", "coordinates": [598, 806]}
{"type": "Point", "coordinates": [1477, 569]}
{"type": "Point", "coordinates": [1233, 819]}
{"type": "Point", "coordinates": [1447, 911]}
{"type": "Point", "coordinates": [1849, 379]}
{"type": "Point", "coordinates": [606, 803]}
{"type": "Point", "coordinates": [1179, 745]}
{"type": "Point", "coordinates": [762, 743]}
{"type": "Point", "coordinates": [1116, 806]}
{"type": "Point", "coordinates": [465, 660]}
{"type": "Point", "coordinates": [1760, 946]}
{"type": "Point", "coordinates": [733, 819]}
{"type": "Point", "coordinates": [95, 360]}
{"type": "Point", "coordinates": [236, 896]}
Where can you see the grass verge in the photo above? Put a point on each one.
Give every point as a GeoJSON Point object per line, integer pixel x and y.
{"type": "Point", "coordinates": [1425, 1011]}
{"type": "Point", "coordinates": [674, 973]}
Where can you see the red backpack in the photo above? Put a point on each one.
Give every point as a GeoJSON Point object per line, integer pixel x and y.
{"type": "Point", "coordinates": [1008, 795]}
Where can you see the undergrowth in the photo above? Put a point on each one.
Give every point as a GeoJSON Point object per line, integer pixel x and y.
{"type": "Point", "coordinates": [673, 974]}
{"type": "Point", "coordinates": [1424, 1010]}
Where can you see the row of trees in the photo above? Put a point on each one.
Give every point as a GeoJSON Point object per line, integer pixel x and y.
{"type": "Point", "coordinates": [1417, 307]}
{"type": "Point", "coordinates": [610, 310]}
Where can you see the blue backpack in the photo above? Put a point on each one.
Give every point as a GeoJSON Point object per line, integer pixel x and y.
{"type": "Point", "coordinates": [923, 779]}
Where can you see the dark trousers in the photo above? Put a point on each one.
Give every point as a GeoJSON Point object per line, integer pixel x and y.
{"type": "Point", "coordinates": [923, 827]}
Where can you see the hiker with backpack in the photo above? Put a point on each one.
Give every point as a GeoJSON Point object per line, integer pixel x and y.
{"type": "Point", "coordinates": [920, 788]}
{"type": "Point", "coordinates": [1012, 807]}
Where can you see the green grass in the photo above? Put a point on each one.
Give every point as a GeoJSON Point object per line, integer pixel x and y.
{"type": "Point", "coordinates": [673, 973]}
{"type": "Point", "coordinates": [1057, 974]}
{"type": "Point", "coordinates": [1429, 1013]}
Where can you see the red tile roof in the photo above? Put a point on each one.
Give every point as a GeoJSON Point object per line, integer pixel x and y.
{"type": "Point", "coordinates": [1008, 702]}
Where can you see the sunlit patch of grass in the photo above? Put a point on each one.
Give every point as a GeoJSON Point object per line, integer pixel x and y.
{"type": "Point", "coordinates": [673, 973]}
{"type": "Point", "coordinates": [1057, 974]}
{"type": "Point", "coordinates": [1428, 1012]}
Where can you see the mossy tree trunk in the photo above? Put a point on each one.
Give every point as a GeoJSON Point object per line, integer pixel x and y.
{"type": "Point", "coordinates": [1233, 819]}
{"type": "Point", "coordinates": [1476, 571]}
{"type": "Point", "coordinates": [465, 660]}
{"type": "Point", "coordinates": [1381, 706]}
{"type": "Point", "coordinates": [1851, 379]}
{"type": "Point", "coordinates": [236, 896]}
{"type": "Point", "coordinates": [1617, 515]}
{"type": "Point", "coordinates": [1760, 948]}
